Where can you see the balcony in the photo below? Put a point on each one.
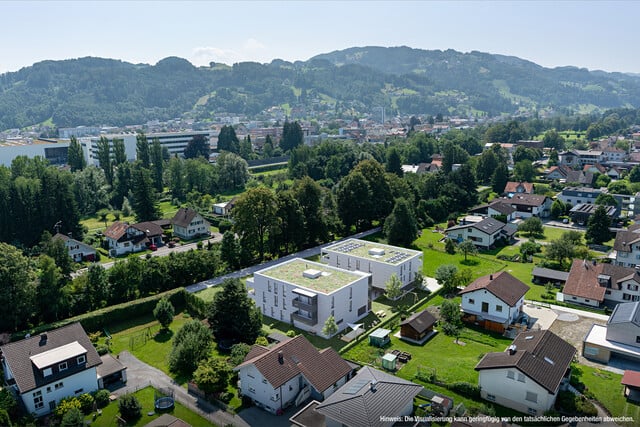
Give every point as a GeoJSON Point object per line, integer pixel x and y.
{"type": "Point", "coordinates": [311, 321]}
{"type": "Point", "coordinates": [306, 305]}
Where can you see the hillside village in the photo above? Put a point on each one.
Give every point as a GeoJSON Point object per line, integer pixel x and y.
{"type": "Point", "coordinates": [422, 271]}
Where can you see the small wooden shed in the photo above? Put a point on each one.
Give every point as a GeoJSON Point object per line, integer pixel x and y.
{"type": "Point", "coordinates": [417, 326]}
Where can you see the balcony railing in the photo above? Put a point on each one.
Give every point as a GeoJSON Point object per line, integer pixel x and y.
{"type": "Point", "coordinates": [302, 305]}
{"type": "Point", "coordinates": [305, 319]}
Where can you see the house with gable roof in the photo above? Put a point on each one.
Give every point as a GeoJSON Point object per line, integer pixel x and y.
{"type": "Point", "coordinates": [189, 224]}
{"type": "Point", "coordinates": [627, 246]}
{"type": "Point", "coordinates": [497, 207]}
{"type": "Point", "coordinates": [494, 301]}
{"type": "Point", "coordinates": [122, 238]}
{"type": "Point", "coordinates": [78, 251]}
{"type": "Point", "coordinates": [371, 398]}
{"type": "Point", "coordinates": [44, 369]}
{"type": "Point", "coordinates": [484, 234]}
{"type": "Point", "coordinates": [529, 375]}
{"type": "Point", "coordinates": [515, 187]}
{"type": "Point", "coordinates": [290, 373]}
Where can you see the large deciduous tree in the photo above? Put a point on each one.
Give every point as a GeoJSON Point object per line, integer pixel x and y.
{"type": "Point", "coordinates": [197, 147]}
{"type": "Point", "coordinates": [232, 315]}
{"type": "Point", "coordinates": [292, 136]}
{"type": "Point", "coordinates": [254, 213]}
{"type": "Point", "coordinates": [17, 288]}
{"type": "Point", "coordinates": [164, 312]}
{"type": "Point", "coordinates": [233, 171]}
{"type": "Point", "coordinates": [191, 345]}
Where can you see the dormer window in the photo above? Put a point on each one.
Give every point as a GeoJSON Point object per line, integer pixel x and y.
{"type": "Point", "coordinates": [46, 372]}
{"type": "Point", "coordinates": [81, 359]}
{"type": "Point", "coordinates": [63, 366]}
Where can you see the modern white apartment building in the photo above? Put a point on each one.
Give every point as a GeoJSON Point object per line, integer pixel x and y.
{"type": "Point", "coordinates": [306, 293]}
{"type": "Point", "coordinates": [380, 260]}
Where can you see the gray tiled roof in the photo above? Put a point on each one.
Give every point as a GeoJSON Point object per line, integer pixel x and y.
{"type": "Point", "coordinates": [541, 355]}
{"type": "Point", "coordinates": [487, 225]}
{"type": "Point", "coordinates": [27, 376]}
{"type": "Point", "coordinates": [359, 404]}
{"type": "Point", "coordinates": [626, 312]}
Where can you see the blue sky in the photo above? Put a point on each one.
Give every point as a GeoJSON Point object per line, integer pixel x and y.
{"type": "Point", "coordinates": [590, 34]}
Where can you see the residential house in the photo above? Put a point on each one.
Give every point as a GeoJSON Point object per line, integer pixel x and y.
{"type": "Point", "coordinates": [631, 382]}
{"type": "Point", "coordinates": [615, 173]}
{"type": "Point", "coordinates": [78, 251]}
{"type": "Point", "coordinates": [529, 375]}
{"type": "Point", "coordinates": [305, 293]}
{"type": "Point", "coordinates": [382, 261]}
{"type": "Point", "coordinates": [595, 168]}
{"type": "Point", "coordinates": [224, 208]}
{"type": "Point", "coordinates": [514, 187]}
{"type": "Point", "coordinates": [543, 275]}
{"type": "Point", "coordinates": [528, 205]}
{"type": "Point", "coordinates": [627, 246]}
{"type": "Point", "coordinates": [593, 284]}
{"type": "Point", "coordinates": [497, 207]}
{"type": "Point", "coordinates": [564, 173]}
{"type": "Point", "coordinates": [579, 158]}
{"type": "Point", "coordinates": [619, 338]}
{"type": "Point", "coordinates": [578, 195]}
{"type": "Point", "coordinates": [420, 168]}
{"type": "Point", "coordinates": [581, 213]}
{"type": "Point", "coordinates": [494, 301]}
{"type": "Point", "coordinates": [613, 155]}
{"type": "Point", "coordinates": [122, 238]}
{"type": "Point", "coordinates": [484, 234]}
{"type": "Point", "coordinates": [189, 224]}
{"type": "Point", "coordinates": [44, 369]}
{"type": "Point", "coordinates": [418, 327]}
{"type": "Point", "coordinates": [290, 373]}
{"type": "Point", "coordinates": [371, 398]}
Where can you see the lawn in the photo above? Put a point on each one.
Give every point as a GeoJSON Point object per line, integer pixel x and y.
{"type": "Point", "coordinates": [207, 294]}
{"type": "Point", "coordinates": [146, 398]}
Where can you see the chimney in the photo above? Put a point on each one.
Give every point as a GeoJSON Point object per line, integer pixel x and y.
{"type": "Point", "coordinates": [511, 349]}
{"type": "Point", "coordinates": [280, 357]}
{"type": "Point", "coordinates": [491, 277]}
{"type": "Point", "coordinates": [43, 339]}
{"type": "Point", "coordinates": [372, 386]}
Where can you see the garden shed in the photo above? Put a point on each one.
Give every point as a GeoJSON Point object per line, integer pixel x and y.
{"type": "Point", "coordinates": [380, 337]}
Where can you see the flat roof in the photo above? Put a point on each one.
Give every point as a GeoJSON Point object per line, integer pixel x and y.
{"type": "Point", "coordinates": [56, 355]}
{"type": "Point", "coordinates": [598, 336]}
{"type": "Point", "coordinates": [329, 280]}
{"type": "Point", "coordinates": [361, 248]}
{"type": "Point", "coordinates": [380, 333]}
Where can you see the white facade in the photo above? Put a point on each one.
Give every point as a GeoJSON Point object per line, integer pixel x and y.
{"type": "Point", "coordinates": [581, 300]}
{"type": "Point", "coordinates": [478, 237]}
{"type": "Point", "coordinates": [364, 258]}
{"type": "Point", "coordinates": [75, 385]}
{"type": "Point", "coordinates": [629, 259]}
{"type": "Point", "coordinates": [197, 227]}
{"type": "Point", "coordinates": [117, 248]}
{"type": "Point", "coordinates": [78, 250]}
{"type": "Point", "coordinates": [512, 388]}
{"type": "Point", "coordinates": [308, 306]}
{"type": "Point", "coordinates": [484, 304]}
{"type": "Point", "coordinates": [55, 153]}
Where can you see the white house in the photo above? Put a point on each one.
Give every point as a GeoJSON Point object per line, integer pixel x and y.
{"type": "Point", "coordinates": [224, 208]}
{"type": "Point", "coordinates": [306, 293]}
{"type": "Point", "coordinates": [627, 246]}
{"type": "Point", "coordinates": [189, 224]}
{"type": "Point", "coordinates": [290, 373]}
{"type": "Point", "coordinates": [592, 284]}
{"type": "Point", "coordinates": [528, 205]}
{"type": "Point", "coordinates": [529, 374]}
{"type": "Point", "coordinates": [43, 369]}
{"type": "Point", "coordinates": [78, 251]}
{"type": "Point", "coordinates": [371, 398]}
{"type": "Point", "coordinates": [382, 261]}
{"type": "Point", "coordinates": [497, 207]}
{"type": "Point", "coordinates": [495, 301]}
{"type": "Point", "coordinates": [620, 337]}
{"type": "Point", "coordinates": [122, 238]}
{"type": "Point", "coordinates": [483, 234]}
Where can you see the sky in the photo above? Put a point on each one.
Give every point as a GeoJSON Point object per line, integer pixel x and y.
{"type": "Point", "coordinates": [587, 34]}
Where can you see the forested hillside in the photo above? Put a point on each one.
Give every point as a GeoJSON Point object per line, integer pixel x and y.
{"type": "Point", "coordinates": [94, 91]}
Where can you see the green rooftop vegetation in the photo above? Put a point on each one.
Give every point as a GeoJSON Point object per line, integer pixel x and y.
{"type": "Point", "coordinates": [328, 280]}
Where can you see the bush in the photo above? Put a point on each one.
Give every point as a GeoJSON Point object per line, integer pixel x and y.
{"type": "Point", "coordinates": [291, 333]}
{"type": "Point", "coordinates": [72, 418]}
{"type": "Point", "coordinates": [86, 403]}
{"type": "Point", "coordinates": [129, 407]}
{"type": "Point", "coordinates": [225, 397]}
{"type": "Point", "coordinates": [101, 398]}
{"type": "Point", "coordinates": [225, 225]}
{"type": "Point", "coordinates": [65, 405]}
{"type": "Point", "coordinates": [102, 349]}
{"type": "Point", "coordinates": [466, 389]}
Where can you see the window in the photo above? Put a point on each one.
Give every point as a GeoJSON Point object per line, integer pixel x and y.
{"type": "Point", "coordinates": [350, 293]}
{"type": "Point", "coordinates": [81, 359]}
{"type": "Point", "coordinates": [532, 411]}
{"type": "Point", "coordinates": [38, 402]}
{"type": "Point", "coordinates": [275, 288]}
{"type": "Point", "coordinates": [46, 372]}
{"type": "Point", "coordinates": [362, 310]}
{"type": "Point", "coordinates": [252, 390]}
{"type": "Point", "coordinates": [63, 366]}
{"type": "Point", "coordinates": [264, 297]}
{"type": "Point", "coordinates": [491, 397]}
{"type": "Point", "coordinates": [637, 339]}
{"type": "Point", "coordinates": [485, 307]}
{"type": "Point", "coordinates": [472, 301]}
{"type": "Point", "coordinates": [269, 286]}
{"type": "Point", "coordinates": [333, 301]}
{"type": "Point", "coordinates": [78, 391]}
{"type": "Point", "coordinates": [520, 377]}
{"type": "Point", "coordinates": [350, 306]}
{"type": "Point", "coordinates": [58, 385]}
{"type": "Point", "coordinates": [284, 304]}
{"type": "Point", "coordinates": [510, 375]}
{"type": "Point", "coordinates": [499, 308]}
{"type": "Point", "coordinates": [48, 389]}
{"type": "Point", "coordinates": [275, 300]}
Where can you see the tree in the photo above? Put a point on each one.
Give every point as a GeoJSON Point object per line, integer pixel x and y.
{"type": "Point", "coordinates": [75, 156]}
{"type": "Point", "coordinates": [232, 315]}
{"type": "Point", "coordinates": [129, 407]}
{"type": "Point", "coordinates": [142, 150]}
{"type": "Point", "coordinates": [238, 353]}
{"type": "Point", "coordinates": [233, 171]}
{"type": "Point", "coordinates": [401, 227]}
{"type": "Point", "coordinates": [158, 165]}
{"type": "Point", "coordinates": [393, 288]}
{"type": "Point", "coordinates": [354, 200]}
{"type": "Point", "coordinates": [634, 174]}
{"type": "Point", "coordinates": [254, 213]}
{"type": "Point", "coordinates": [450, 246]}
{"type": "Point", "coordinates": [606, 199]}
{"type": "Point", "coordinates": [467, 247]}
{"type": "Point", "coordinates": [559, 250]}
{"type": "Point", "coordinates": [50, 296]}
{"type": "Point", "coordinates": [572, 236]}
{"type": "Point", "coordinates": [227, 140]}
{"type": "Point", "coordinates": [191, 344]}
{"type": "Point", "coordinates": [176, 175]}
{"type": "Point", "coordinates": [528, 249]}
{"type": "Point", "coordinates": [119, 152]}
{"type": "Point", "coordinates": [557, 209]}
{"type": "Point", "coordinates": [212, 375]}
{"type": "Point", "coordinates": [288, 233]}
{"type": "Point", "coordinates": [5, 420]}
{"type": "Point", "coordinates": [17, 288]}
{"type": "Point", "coordinates": [531, 226]}
{"type": "Point", "coordinates": [73, 418]}
{"type": "Point", "coordinates": [309, 195]}
{"type": "Point", "coordinates": [330, 328]}
{"type": "Point", "coordinates": [145, 203]}
{"type": "Point", "coordinates": [104, 158]}
{"type": "Point", "coordinates": [292, 136]}
{"type": "Point", "coordinates": [524, 171]}
{"type": "Point", "coordinates": [552, 139]}
{"type": "Point", "coordinates": [164, 312]}
{"type": "Point", "coordinates": [230, 250]}
{"type": "Point", "coordinates": [500, 178]}
{"type": "Point", "coordinates": [198, 147]}
{"type": "Point", "coordinates": [450, 312]}
{"type": "Point", "coordinates": [445, 275]}
{"type": "Point", "coordinates": [394, 164]}
{"type": "Point", "coordinates": [598, 226]}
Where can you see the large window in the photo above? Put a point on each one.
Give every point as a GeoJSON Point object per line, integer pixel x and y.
{"type": "Point", "coordinates": [531, 397]}
{"type": "Point", "coordinates": [38, 402]}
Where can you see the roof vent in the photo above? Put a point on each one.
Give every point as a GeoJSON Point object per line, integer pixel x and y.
{"type": "Point", "coordinates": [376, 251]}
{"type": "Point", "coordinates": [372, 386]}
{"type": "Point", "coordinates": [43, 339]}
{"type": "Point", "coordinates": [280, 357]}
{"type": "Point", "coordinates": [491, 277]}
{"type": "Point", "coordinates": [310, 273]}
{"type": "Point", "coordinates": [512, 349]}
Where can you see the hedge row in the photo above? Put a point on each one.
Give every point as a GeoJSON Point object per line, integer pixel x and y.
{"type": "Point", "coordinates": [99, 319]}
{"type": "Point", "coordinates": [196, 305]}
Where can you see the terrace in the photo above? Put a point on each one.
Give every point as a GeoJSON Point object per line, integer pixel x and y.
{"type": "Point", "coordinates": [298, 272]}
{"type": "Point", "coordinates": [373, 251]}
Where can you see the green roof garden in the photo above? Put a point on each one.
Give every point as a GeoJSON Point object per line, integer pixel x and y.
{"type": "Point", "coordinates": [311, 275]}
{"type": "Point", "coordinates": [373, 251]}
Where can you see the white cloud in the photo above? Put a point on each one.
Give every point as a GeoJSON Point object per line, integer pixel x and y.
{"type": "Point", "coordinates": [253, 45]}
{"type": "Point", "coordinates": [251, 50]}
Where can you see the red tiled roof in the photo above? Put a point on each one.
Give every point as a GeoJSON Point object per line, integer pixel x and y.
{"type": "Point", "coordinates": [503, 285]}
{"type": "Point", "coordinates": [583, 281]}
{"type": "Point", "coordinates": [631, 378]}
{"type": "Point", "coordinates": [116, 230]}
{"type": "Point", "coordinates": [512, 187]}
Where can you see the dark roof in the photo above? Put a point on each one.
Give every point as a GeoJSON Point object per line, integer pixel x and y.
{"type": "Point", "coordinates": [321, 368]}
{"type": "Point", "coordinates": [149, 228]}
{"type": "Point", "coordinates": [183, 217]}
{"type": "Point", "coordinates": [27, 376]}
{"type": "Point", "coordinates": [590, 209]}
{"type": "Point", "coordinates": [631, 378]}
{"type": "Point", "coordinates": [167, 420]}
{"type": "Point", "coordinates": [420, 321]}
{"type": "Point", "coordinates": [355, 404]}
{"type": "Point", "coordinates": [626, 312]}
{"type": "Point", "coordinates": [503, 285]}
{"type": "Point", "coordinates": [548, 273]}
{"type": "Point", "coordinates": [541, 355]}
{"type": "Point", "coordinates": [110, 365]}
{"type": "Point", "coordinates": [502, 207]}
{"type": "Point", "coordinates": [308, 416]}
{"type": "Point", "coordinates": [487, 225]}
{"type": "Point", "coordinates": [526, 199]}
{"type": "Point", "coordinates": [116, 230]}
{"type": "Point", "coordinates": [626, 238]}
{"type": "Point", "coordinates": [585, 279]}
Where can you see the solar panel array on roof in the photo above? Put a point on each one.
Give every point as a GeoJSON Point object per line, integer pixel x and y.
{"type": "Point", "coordinates": [397, 256]}
{"type": "Point", "coordinates": [349, 247]}
{"type": "Point", "coordinates": [356, 385]}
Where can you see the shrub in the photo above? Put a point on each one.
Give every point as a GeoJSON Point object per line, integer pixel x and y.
{"type": "Point", "coordinates": [101, 398]}
{"type": "Point", "coordinates": [262, 341]}
{"type": "Point", "coordinates": [225, 225]}
{"type": "Point", "coordinates": [225, 397]}
{"type": "Point", "coordinates": [466, 389]}
{"type": "Point", "coordinates": [95, 336]}
{"type": "Point", "coordinates": [72, 418]}
{"type": "Point", "coordinates": [102, 349]}
{"type": "Point", "coordinates": [291, 333]}
{"type": "Point", "coordinates": [129, 407]}
{"type": "Point", "coordinates": [65, 405]}
{"type": "Point", "coordinates": [86, 403]}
